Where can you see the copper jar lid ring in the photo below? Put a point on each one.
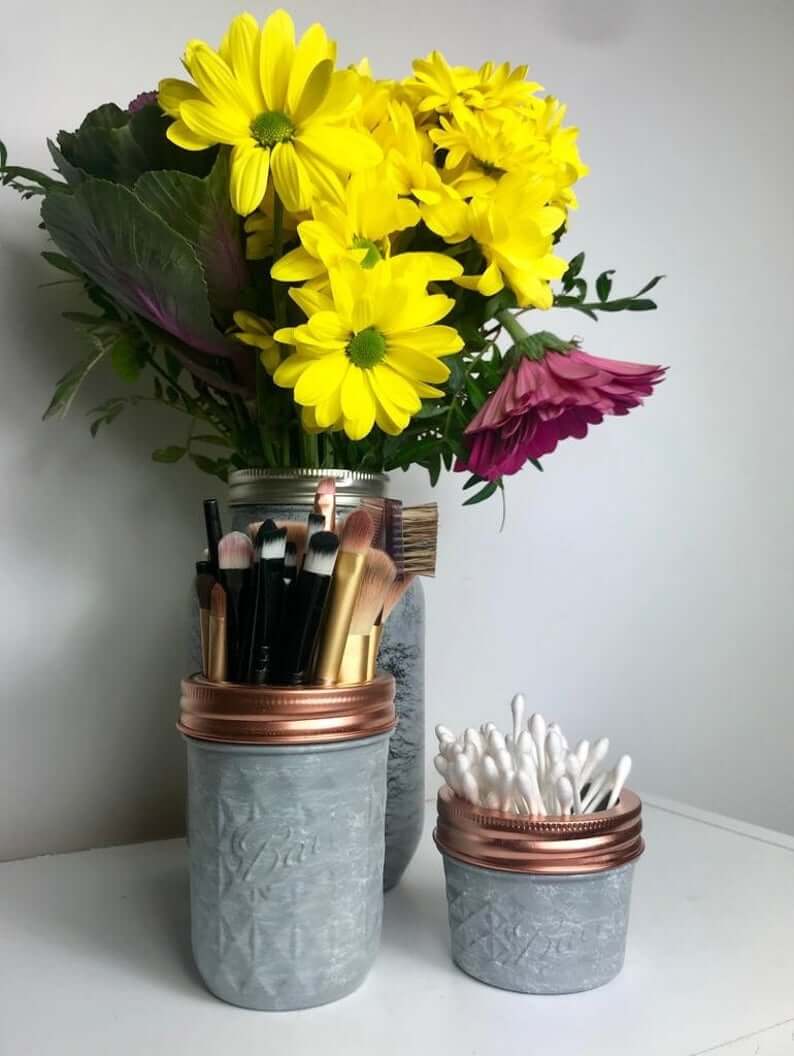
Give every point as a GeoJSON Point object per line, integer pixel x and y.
{"type": "Point", "coordinates": [552, 845]}
{"type": "Point", "coordinates": [242, 714]}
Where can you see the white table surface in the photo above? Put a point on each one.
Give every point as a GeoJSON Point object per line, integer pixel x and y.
{"type": "Point", "coordinates": [95, 959]}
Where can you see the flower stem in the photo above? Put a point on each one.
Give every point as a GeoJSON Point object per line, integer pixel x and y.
{"type": "Point", "coordinates": [512, 325]}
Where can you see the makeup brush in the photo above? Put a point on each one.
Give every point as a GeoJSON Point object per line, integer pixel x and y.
{"type": "Point", "coordinates": [205, 581]}
{"type": "Point", "coordinates": [357, 662]}
{"type": "Point", "coordinates": [266, 609]}
{"type": "Point", "coordinates": [216, 662]}
{"type": "Point", "coordinates": [348, 571]}
{"type": "Point", "coordinates": [212, 524]}
{"type": "Point", "coordinates": [296, 534]}
{"type": "Point", "coordinates": [325, 502]}
{"type": "Point", "coordinates": [314, 523]}
{"type": "Point", "coordinates": [395, 594]}
{"type": "Point", "coordinates": [303, 612]}
{"type": "Point", "coordinates": [235, 554]}
{"type": "Point", "coordinates": [420, 539]}
{"type": "Point", "coordinates": [290, 563]}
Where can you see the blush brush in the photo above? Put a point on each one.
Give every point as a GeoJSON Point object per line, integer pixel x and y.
{"type": "Point", "coordinates": [360, 655]}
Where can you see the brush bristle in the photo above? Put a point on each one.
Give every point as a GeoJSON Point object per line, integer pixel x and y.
{"type": "Point", "coordinates": [376, 508]}
{"type": "Point", "coordinates": [327, 486]}
{"type": "Point", "coordinates": [379, 573]}
{"type": "Point", "coordinates": [395, 594]}
{"type": "Point", "coordinates": [290, 555]}
{"type": "Point", "coordinates": [296, 534]}
{"type": "Point", "coordinates": [315, 523]}
{"type": "Point", "coordinates": [218, 602]}
{"type": "Point", "coordinates": [357, 532]}
{"type": "Point", "coordinates": [235, 551]}
{"type": "Point", "coordinates": [321, 555]}
{"type": "Point", "coordinates": [274, 545]}
{"type": "Point", "coordinates": [420, 539]}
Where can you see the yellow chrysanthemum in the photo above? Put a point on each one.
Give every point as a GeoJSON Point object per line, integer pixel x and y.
{"type": "Point", "coordinates": [370, 353]}
{"type": "Point", "coordinates": [437, 86]}
{"type": "Point", "coordinates": [375, 96]}
{"type": "Point", "coordinates": [504, 90]}
{"type": "Point", "coordinates": [258, 333]}
{"type": "Point", "coordinates": [259, 227]}
{"type": "Point", "coordinates": [514, 229]}
{"type": "Point", "coordinates": [482, 147]}
{"type": "Point", "coordinates": [409, 156]}
{"type": "Point", "coordinates": [278, 104]}
{"type": "Point", "coordinates": [559, 151]}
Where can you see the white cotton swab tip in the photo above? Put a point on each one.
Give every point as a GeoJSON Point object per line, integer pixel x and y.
{"type": "Point", "coordinates": [565, 795]}
{"type": "Point", "coordinates": [622, 771]}
{"type": "Point", "coordinates": [517, 707]}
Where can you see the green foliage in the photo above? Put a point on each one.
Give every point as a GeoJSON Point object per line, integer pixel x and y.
{"type": "Point", "coordinates": [574, 293]}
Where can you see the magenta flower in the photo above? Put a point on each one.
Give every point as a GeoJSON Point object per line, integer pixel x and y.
{"type": "Point", "coordinates": [142, 100]}
{"type": "Point", "coordinates": [542, 401]}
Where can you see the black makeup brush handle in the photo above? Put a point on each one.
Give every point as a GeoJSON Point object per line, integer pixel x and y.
{"type": "Point", "coordinates": [303, 616]}
{"type": "Point", "coordinates": [268, 617]}
{"type": "Point", "coordinates": [235, 583]}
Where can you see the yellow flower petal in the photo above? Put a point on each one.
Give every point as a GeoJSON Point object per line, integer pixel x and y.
{"type": "Point", "coordinates": [328, 412]}
{"type": "Point", "coordinates": [432, 267]}
{"type": "Point", "coordinates": [396, 388]}
{"type": "Point", "coordinates": [344, 148]}
{"type": "Point", "coordinates": [291, 369]}
{"type": "Point", "coordinates": [290, 178]}
{"type": "Point", "coordinates": [396, 418]}
{"type": "Point", "coordinates": [296, 266]}
{"type": "Point", "coordinates": [327, 327]}
{"type": "Point", "coordinates": [416, 366]}
{"type": "Point", "coordinates": [216, 81]}
{"type": "Point", "coordinates": [411, 313]}
{"type": "Point", "coordinates": [310, 300]}
{"type": "Point", "coordinates": [183, 137]}
{"type": "Point", "coordinates": [322, 377]}
{"type": "Point", "coordinates": [213, 124]}
{"type": "Point", "coordinates": [249, 172]}
{"type": "Point", "coordinates": [325, 182]}
{"type": "Point", "coordinates": [314, 91]}
{"type": "Point", "coordinates": [313, 48]}
{"type": "Point", "coordinates": [356, 395]}
{"type": "Point", "coordinates": [243, 42]}
{"type": "Point", "coordinates": [277, 51]}
{"type": "Point", "coordinates": [430, 340]}
{"type": "Point", "coordinates": [172, 92]}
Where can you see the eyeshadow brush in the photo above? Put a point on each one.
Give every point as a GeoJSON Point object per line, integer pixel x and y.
{"type": "Point", "coordinates": [235, 554]}
{"type": "Point", "coordinates": [303, 611]}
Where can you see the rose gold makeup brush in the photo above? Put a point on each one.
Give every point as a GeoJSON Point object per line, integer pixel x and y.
{"type": "Point", "coordinates": [205, 581]}
{"type": "Point", "coordinates": [345, 584]}
{"type": "Point", "coordinates": [395, 594]}
{"type": "Point", "coordinates": [358, 660]}
{"type": "Point", "coordinates": [325, 502]}
{"type": "Point", "coordinates": [216, 663]}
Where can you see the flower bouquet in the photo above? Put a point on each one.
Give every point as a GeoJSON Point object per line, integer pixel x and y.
{"type": "Point", "coordinates": [318, 268]}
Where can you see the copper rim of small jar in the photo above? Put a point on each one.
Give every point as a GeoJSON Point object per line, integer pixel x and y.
{"type": "Point", "coordinates": [553, 844]}
{"type": "Point", "coordinates": [241, 714]}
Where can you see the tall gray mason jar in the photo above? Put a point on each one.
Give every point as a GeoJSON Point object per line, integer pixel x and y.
{"type": "Point", "coordinates": [288, 494]}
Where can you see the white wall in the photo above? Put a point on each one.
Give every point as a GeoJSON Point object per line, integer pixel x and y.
{"type": "Point", "coordinates": [641, 586]}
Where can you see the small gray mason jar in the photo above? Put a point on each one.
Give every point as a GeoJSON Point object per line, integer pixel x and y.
{"type": "Point", "coordinates": [539, 905]}
{"type": "Point", "coordinates": [286, 798]}
{"type": "Point", "coordinates": [288, 494]}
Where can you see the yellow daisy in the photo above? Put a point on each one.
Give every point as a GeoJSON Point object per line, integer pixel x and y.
{"type": "Point", "coordinates": [370, 352]}
{"type": "Point", "coordinates": [514, 229]}
{"type": "Point", "coordinates": [279, 105]}
{"type": "Point", "coordinates": [258, 333]}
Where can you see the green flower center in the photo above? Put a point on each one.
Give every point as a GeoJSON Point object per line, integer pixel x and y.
{"type": "Point", "coordinates": [373, 251]}
{"type": "Point", "coordinates": [367, 348]}
{"type": "Point", "coordinates": [272, 127]}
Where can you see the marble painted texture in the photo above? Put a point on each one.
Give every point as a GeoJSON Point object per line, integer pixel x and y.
{"type": "Point", "coordinates": [286, 869]}
{"type": "Point", "coordinates": [538, 934]}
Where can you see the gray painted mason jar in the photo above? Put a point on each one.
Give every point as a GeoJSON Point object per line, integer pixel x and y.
{"type": "Point", "coordinates": [538, 905]}
{"type": "Point", "coordinates": [288, 494]}
{"type": "Point", "coordinates": [286, 799]}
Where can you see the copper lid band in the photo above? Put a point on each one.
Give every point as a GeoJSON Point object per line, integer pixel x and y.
{"type": "Point", "coordinates": [239, 714]}
{"type": "Point", "coordinates": [553, 845]}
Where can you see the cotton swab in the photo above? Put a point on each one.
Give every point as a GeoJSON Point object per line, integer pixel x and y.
{"type": "Point", "coordinates": [622, 771]}
{"type": "Point", "coordinates": [530, 770]}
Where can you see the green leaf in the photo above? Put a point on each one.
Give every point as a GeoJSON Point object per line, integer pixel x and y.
{"type": "Point", "coordinates": [207, 438]}
{"type": "Point", "coordinates": [641, 305]}
{"type": "Point", "coordinates": [67, 387]}
{"type": "Point", "coordinates": [136, 258]}
{"type": "Point", "coordinates": [57, 260]}
{"type": "Point", "coordinates": [127, 358]}
{"type": "Point", "coordinates": [604, 284]}
{"type": "Point", "coordinates": [485, 493]}
{"type": "Point", "coordinates": [215, 467]}
{"type": "Point", "coordinates": [476, 395]}
{"type": "Point", "coordinates": [200, 211]}
{"type": "Point", "coordinates": [574, 267]}
{"type": "Point", "coordinates": [169, 454]}
{"type": "Point", "coordinates": [650, 285]}
{"type": "Point", "coordinates": [504, 299]}
{"type": "Point", "coordinates": [472, 481]}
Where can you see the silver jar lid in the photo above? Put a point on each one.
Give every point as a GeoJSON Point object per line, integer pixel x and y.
{"type": "Point", "coordinates": [252, 486]}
